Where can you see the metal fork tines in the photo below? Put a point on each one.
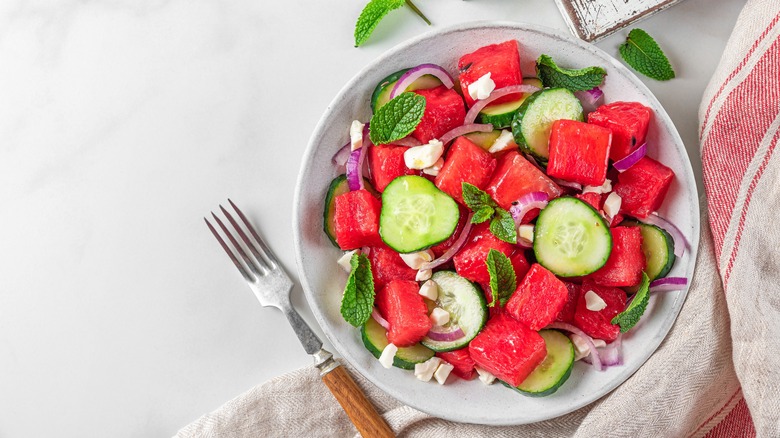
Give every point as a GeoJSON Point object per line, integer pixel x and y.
{"type": "Point", "coordinates": [262, 271]}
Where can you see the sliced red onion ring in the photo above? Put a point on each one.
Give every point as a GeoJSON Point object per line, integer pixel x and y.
{"type": "Point", "coordinates": [421, 70]}
{"type": "Point", "coordinates": [465, 129]}
{"type": "Point", "coordinates": [612, 354]}
{"type": "Point", "coordinates": [527, 203]}
{"type": "Point", "coordinates": [591, 99]}
{"type": "Point", "coordinates": [680, 242]}
{"type": "Point", "coordinates": [569, 184]}
{"type": "Point", "coordinates": [464, 235]}
{"type": "Point", "coordinates": [355, 170]}
{"type": "Point", "coordinates": [501, 92]}
{"type": "Point", "coordinates": [342, 155]}
{"type": "Point", "coordinates": [594, 355]}
{"type": "Point", "coordinates": [668, 284]}
{"type": "Point", "coordinates": [629, 160]}
{"type": "Point", "coordinates": [407, 142]}
{"type": "Point", "coordinates": [453, 335]}
{"type": "Point", "coordinates": [378, 318]}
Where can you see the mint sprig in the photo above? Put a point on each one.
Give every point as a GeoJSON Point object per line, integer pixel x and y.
{"type": "Point", "coordinates": [503, 281]}
{"type": "Point", "coordinates": [358, 300]}
{"type": "Point", "coordinates": [374, 12]}
{"type": "Point", "coordinates": [628, 318]}
{"type": "Point", "coordinates": [575, 80]}
{"type": "Point", "coordinates": [502, 225]}
{"type": "Point", "coordinates": [641, 52]}
{"type": "Point", "coordinates": [397, 119]}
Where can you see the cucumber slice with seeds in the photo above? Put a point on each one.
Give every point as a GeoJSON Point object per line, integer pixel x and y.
{"type": "Point", "coordinates": [466, 305]}
{"type": "Point", "coordinates": [375, 339]}
{"type": "Point", "coordinates": [554, 370]}
{"type": "Point", "coordinates": [533, 121]}
{"type": "Point", "coordinates": [658, 247]}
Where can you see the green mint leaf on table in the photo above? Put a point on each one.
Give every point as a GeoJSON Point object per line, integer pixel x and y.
{"type": "Point", "coordinates": [503, 226]}
{"type": "Point", "coordinates": [503, 281]}
{"type": "Point", "coordinates": [358, 300]}
{"type": "Point", "coordinates": [374, 12]}
{"type": "Point", "coordinates": [397, 118]}
{"type": "Point", "coordinates": [641, 52]}
{"type": "Point", "coordinates": [628, 318]}
{"type": "Point", "coordinates": [575, 80]}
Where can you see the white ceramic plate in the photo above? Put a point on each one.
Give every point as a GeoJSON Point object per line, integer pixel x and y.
{"type": "Point", "coordinates": [323, 281]}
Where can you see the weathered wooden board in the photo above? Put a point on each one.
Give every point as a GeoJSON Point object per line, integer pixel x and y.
{"type": "Point", "coordinates": [592, 20]}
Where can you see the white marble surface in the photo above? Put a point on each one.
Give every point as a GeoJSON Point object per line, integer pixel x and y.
{"type": "Point", "coordinates": [123, 123]}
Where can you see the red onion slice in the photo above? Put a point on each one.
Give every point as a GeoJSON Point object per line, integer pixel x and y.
{"type": "Point", "coordinates": [465, 129]}
{"type": "Point", "coordinates": [445, 336]}
{"type": "Point", "coordinates": [668, 284]}
{"type": "Point", "coordinates": [527, 203]}
{"type": "Point", "coordinates": [378, 318]}
{"type": "Point", "coordinates": [464, 234]}
{"type": "Point", "coordinates": [569, 184]}
{"type": "Point", "coordinates": [594, 355]}
{"type": "Point", "coordinates": [417, 72]}
{"type": "Point", "coordinates": [591, 99]}
{"type": "Point", "coordinates": [407, 142]}
{"type": "Point", "coordinates": [501, 92]}
{"type": "Point", "coordinates": [342, 155]}
{"type": "Point", "coordinates": [629, 160]}
{"type": "Point", "coordinates": [612, 354]}
{"type": "Point", "coordinates": [680, 242]}
{"type": "Point", "coordinates": [355, 170]}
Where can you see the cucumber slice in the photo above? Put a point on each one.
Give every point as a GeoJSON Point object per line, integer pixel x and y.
{"type": "Point", "coordinates": [554, 370]}
{"type": "Point", "coordinates": [467, 307]}
{"type": "Point", "coordinates": [533, 121]}
{"type": "Point", "coordinates": [571, 238]}
{"type": "Point", "coordinates": [531, 80]}
{"type": "Point", "coordinates": [658, 247]}
{"type": "Point", "coordinates": [375, 339]}
{"type": "Point", "coordinates": [416, 214]}
{"type": "Point", "coordinates": [484, 139]}
{"type": "Point", "coordinates": [501, 115]}
{"type": "Point", "coordinates": [337, 187]}
{"type": "Point", "coordinates": [381, 94]}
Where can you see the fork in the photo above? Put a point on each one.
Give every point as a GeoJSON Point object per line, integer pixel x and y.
{"type": "Point", "coordinates": [271, 285]}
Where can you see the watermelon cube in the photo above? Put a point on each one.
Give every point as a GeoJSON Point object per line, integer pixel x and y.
{"type": "Point", "coordinates": [520, 264]}
{"type": "Point", "coordinates": [470, 260]}
{"type": "Point", "coordinates": [538, 299]}
{"type": "Point", "coordinates": [626, 261]}
{"type": "Point", "coordinates": [643, 187]}
{"type": "Point", "coordinates": [463, 363]}
{"type": "Point", "coordinates": [465, 162]}
{"type": "Point", "coordinates": [356, 220]}
{"type": "Point", "coordinates": [628, 122]}
{"type": "Point", "coordinates": [386, 163]}
{"type": "Point", "coordinates": [598, 324]}
{"type": "Point", "coordinates": [514, 177]}
{"type": "Point", "coordinates": [387, 265]}
{"type": "Point", "coordinates": [508, 349]}
{"type": "Point", "coordinates": [502, 61]}
{"type": "Point", "coordinates": [444, 111]}
{"type": "Point", "coordinates": [579, 152]}
{"type": "Point", "coordinates": [593, 199]}
{"type": "Point", "coordinates": [400, 303]}
{"type": "Point", "coordinates": [567, 312]}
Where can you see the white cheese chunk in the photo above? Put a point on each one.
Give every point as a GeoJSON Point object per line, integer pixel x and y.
{"type": "Point", "coordinates": [430, 290]}
{"type": "Point", "coordinates": [593, 302]}
{"type": "Point", "coordinates": [415, 260]}
{"type": "Point", "coordinates": [345, 259]}
{"type": "Point", "coordinates": [604, 188]}
{"type": "Point", "coordinates": [356, 134]}
{"type": "Point", "coordinates": [386, 358]}
{"type": "Point", "coordinates": [612, 205]}
{"type": "Point", "coordinates": [439, 316]}
{"type": "Point", "coordinates": [423, 275]}
{"type": "Point", "coordinates": [424, 371]}
{"type": "Point", "coordinates": [526, 232]}
{"type": "Point", "coordinates": [581, 347]}
{"type": "Point", "coordinates": [420, 157]}
{"type": "Point", "coordinates": [482, 87]}
{"type": "Point", "coordinates": [435, 169]}
{"type": "Point", "coordinates": [442, 372]}
{"type": "Point", "coordinates": [504, 142]}
{"type": "Point", "coordinates": [485, 377]}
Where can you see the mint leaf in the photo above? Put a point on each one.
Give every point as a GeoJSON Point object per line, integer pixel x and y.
{"type": "Point", "coordinates": [629, 317]}
{"type": "Point", "coordinates": [503, 281]}
{"type": "Point", "coordinates": [475, 198]}
{"type": "Point", "coordinates": [397, 119]}
{"type": "Point", "coordinates": [358, 299]}
{"type": "Point", "coordinates": [641, 52]}
{"type": "Point", "coordinates": [481, 215]}
{"type": "Point", "coordinates": [372, 14]}
{"type": "Point", "coordinates": [503, 226]}
{"type": "Point", "coordinates": [575, 80]}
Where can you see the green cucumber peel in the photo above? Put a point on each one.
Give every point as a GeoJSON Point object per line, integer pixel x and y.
{"type": "Point", "coordinates": [397, 118]}
{"type": "Point", "coordinates": [358, 300]}
{"type": "Point", "coordinates": [503, 280]}
{"type": "Point", "coordinates": [502, 225]}
{"type": "Point", "coordinates": [628, 318]}
{"type": "Point", "coordinates": [644, 55]}
{"type": "Point", "coordinates": [553, 76]}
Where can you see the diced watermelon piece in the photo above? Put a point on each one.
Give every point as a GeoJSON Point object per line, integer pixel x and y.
{"type": "Point", "coordinates": [567, 312]}
{"type": "Point", "coordinates": [507, 349]}
{"type": "Point", "coordinates": [599, 324]}
{"type": "Point", "coordinates": [386, 163]}
{"type": "Point", "coordinates": [442, 247]}
{"type": "Point", "coordinates": [579, 152]}
{"type": "Point", "coordinates": [465, 162]}
{"type": "Point", "coordinates": [626, 261]}
{"type": "Point", "coordinates": [616, 220]}
{"type": "Point", "coordinates": [463, 363]}
{"type": "Point", "coordinates": [538, 299]}
{"type": "Point", "coordinates": [400, 303]}
{"type": "Point", "coordinates": [502, 61]}
{"type": "Point", "coordinates": [514, 177]}
{"type": "Point", "coordinates": [470, 260]}
{"type": "Point", "coordinates": [387, 265]}
{"type": "Point", "coordinates": [444, 110]}
{"type": "Point", "coordinates": [643, 187]}
{"type": "Point", "coordinates": [593, 199]}
{"type": "Point", "coordinates": [520, 264]}
{"type": "Point", "coordinates": [628, 122]}
{"type": "Point", "coordinates": [357, 220]}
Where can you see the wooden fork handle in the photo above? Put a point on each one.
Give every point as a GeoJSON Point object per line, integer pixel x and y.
{"type": "Point", "coordinates": [351, 398]}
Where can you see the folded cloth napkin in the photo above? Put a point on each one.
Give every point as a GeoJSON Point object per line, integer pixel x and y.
{"type": "Point", "coordinates": [717, 374]}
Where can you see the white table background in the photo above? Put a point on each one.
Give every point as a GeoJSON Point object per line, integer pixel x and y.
{"type": "Point", "coordinates": [123, 123]}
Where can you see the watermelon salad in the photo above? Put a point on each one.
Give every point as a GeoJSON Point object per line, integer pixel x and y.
{"type": "Point", "coordinates": [506, 232]}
